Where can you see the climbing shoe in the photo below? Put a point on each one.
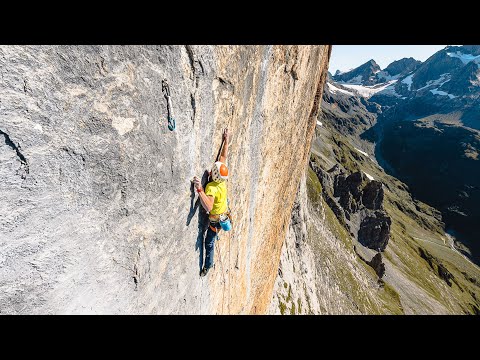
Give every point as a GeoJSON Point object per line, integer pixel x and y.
{"type": "Point", "coordinates": [204, 272]}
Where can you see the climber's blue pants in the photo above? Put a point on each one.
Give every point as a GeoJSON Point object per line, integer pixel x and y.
{"type": "Point", "coordinates": [209, 244]}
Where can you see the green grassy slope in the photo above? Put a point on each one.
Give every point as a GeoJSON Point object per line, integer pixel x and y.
{"type": "Point", "coordinates": [424, 274]}
{"type": "Point", "coordinates": [354, 278]}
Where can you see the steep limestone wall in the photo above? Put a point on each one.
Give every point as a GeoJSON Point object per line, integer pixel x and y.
{"type": "Point", "coordinates": [97, 212]}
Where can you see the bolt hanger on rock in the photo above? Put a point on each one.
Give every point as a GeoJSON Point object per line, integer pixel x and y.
{"type": "Point", "coordinates": [166, 93]}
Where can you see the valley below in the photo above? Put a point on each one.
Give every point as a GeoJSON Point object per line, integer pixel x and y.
{"type": "Point", "coordinates": [439, 163]}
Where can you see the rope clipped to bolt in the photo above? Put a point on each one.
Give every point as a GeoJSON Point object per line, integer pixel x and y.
{"type": "Point", "coordinates": [166, 93]}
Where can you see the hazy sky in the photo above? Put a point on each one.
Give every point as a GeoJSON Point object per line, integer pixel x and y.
{"type": "Point", "coordinates": [346, 57]}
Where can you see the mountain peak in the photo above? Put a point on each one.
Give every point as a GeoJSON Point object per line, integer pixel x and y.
{"type": "Point", "coordinates": [402, 66]}
{"type": "Point", "coordinates": [370, 63]}
{"type": "Point", "coordinates": [363, 74]}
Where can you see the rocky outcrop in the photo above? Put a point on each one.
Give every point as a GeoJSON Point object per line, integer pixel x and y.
{"type": "Point", "coordinates": [349, 191]}
{"type": "Point", "coordinates": [295, 290]}
{"type": "Point", "coordinates": [98, 214]}
{"type": "Point", "coordinates": [377, 264]}
{"type": "Point", "coordinates": [372, 195]}
{"type": "Point", "coordinates": [358, 203]}
{"type": "Point", "coordinates": [374, 231]}
{"type": "Point", "coordinates": [437, 266]}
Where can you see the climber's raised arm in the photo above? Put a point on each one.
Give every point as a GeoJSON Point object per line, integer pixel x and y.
{"type": "Point", "coordinates": [226, 138]}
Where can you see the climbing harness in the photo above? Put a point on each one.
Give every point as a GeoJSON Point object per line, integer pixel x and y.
{"type": "Point", "coordinates": [214, 228]}
{"type": "Point", "coordinates": [166, 93]}
{"type": "Point", "coordinates": [222, 221]}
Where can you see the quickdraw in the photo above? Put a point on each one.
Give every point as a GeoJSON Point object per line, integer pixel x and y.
{"type": "Point", "coordinates": [166, 93]}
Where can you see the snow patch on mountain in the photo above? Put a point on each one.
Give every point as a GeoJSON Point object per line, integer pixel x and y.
{"type": "Point", "coordinates": [335, 89]}
{"type": "Point", "coordinates": [369, 91]}
{"type": "Point", "coordinates": [437, 82]}
{"type": "Point", "coordinates": [361, 152]}
{"type": "Point", "coordinates": [443, 93]}
{"type": "Point", "coordinates": [466, 58]}
{"type": "Point", "coordinates": [368, 176]}
{"type": "Point", "coordinates": [390, 90]}
{"type": "Point", "coordinates": [408, 81]}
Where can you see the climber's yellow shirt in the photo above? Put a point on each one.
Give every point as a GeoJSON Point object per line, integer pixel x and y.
{"type": "Point", "coordinates": [219, 192]}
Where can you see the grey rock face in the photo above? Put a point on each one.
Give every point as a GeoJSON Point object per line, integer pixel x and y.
{"type": "Point", "coordinates": [349, 189]}
{"type": "Point", "coordinates": [298, 223]}
{"type": "Point", "coordinates": [98, 214]}
{"type": "Point", "coordinates": [372, 196]}
{"type": "Point", "coordinates": [374, 231]}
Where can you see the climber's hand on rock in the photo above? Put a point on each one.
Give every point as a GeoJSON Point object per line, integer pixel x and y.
{"type": "Point", "coordinates": [225, 135]}
{"type": "Point", "coordinates": [196, 183]}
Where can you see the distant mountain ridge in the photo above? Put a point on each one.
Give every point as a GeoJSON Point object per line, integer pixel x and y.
{"type": "Point", "coordinates": [446, 82]}
{"type": "Point", "coordinates": [365, 74]}
{"type": "Point", "coordinates": [402, 66]}
{"type": "Point", "coordinates": [370, 73]}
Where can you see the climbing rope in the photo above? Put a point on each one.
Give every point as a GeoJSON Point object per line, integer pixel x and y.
{"type": "Point", "coordinates": [223, 273]}
{"type": "Point", "coordinates": [229, 265]}
{"type": "Point", "coordinates": [166, 93]}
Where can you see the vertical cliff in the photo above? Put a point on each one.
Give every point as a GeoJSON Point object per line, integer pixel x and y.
{"type": "Point", "coordinates": [98, 214]}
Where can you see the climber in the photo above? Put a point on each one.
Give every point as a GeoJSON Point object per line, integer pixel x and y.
{"type": "Point", "coordinates": [214, 200]}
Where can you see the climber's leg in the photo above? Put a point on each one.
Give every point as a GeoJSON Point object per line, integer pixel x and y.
{"type": "Point", "coordinates": [209, 246]}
